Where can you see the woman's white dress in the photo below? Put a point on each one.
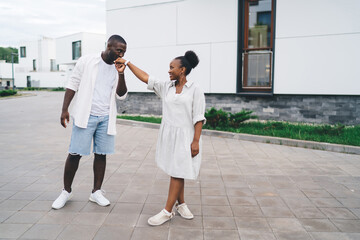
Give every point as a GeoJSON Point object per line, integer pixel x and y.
{"type": "Point", "coordinates": [180, 113]}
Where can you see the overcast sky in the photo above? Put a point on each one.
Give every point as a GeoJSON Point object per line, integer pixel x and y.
{"type": "Point", "coordinates": [23, 20]}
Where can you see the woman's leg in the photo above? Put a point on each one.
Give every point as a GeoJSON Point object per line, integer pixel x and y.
{"type": "Point", "coordinates": [176, 189]}
{"type": "Point", "coordinates": [181, 198]}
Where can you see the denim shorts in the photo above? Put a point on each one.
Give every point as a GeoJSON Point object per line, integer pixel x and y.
{"type": "Point", "coordinates": [96, 130]}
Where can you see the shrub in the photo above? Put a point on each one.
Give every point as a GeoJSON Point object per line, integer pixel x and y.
{"type": "Point", "coordinates": [4, 93]}
{"type": "Point", "coordinates": [58, 89]}
{"type": "Point", "coordinates": [237, 118]}
{"type": "Point", "coordinates": [216, 118]}
{"type": "Point", "coordinates": [221, 119]}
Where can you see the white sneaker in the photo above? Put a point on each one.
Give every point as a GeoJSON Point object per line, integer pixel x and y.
{"type": "Point", "coordinates": [98, 197]}
{"type": "Point", "coordinates": [184, 211]}
{"type": "Point", "coordinates": [160, 218]}
{"type": "Point", "coordinates": [62, 199]}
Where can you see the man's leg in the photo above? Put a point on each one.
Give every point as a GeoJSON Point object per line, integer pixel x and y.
{"type": "Point", "coordinates": [99, 170]}
{"type": "Point", "coordinates": [71, 166]}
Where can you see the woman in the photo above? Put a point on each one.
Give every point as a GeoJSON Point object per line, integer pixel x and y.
{"type": "Point", "coordinates": [178, 147]}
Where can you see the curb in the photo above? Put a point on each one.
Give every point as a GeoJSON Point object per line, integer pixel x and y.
{"type": "Point", "coordinates": [262, 139]}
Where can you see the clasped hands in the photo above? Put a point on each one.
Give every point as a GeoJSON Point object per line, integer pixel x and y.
{"type": "Point", "coordinates": [120, 65]}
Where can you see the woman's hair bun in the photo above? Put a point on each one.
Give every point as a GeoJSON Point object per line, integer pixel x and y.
{"type": "Point", "coordinates": [192, 58]}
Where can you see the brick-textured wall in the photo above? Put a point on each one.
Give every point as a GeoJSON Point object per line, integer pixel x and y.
{"type": "Point", "coordinates": [293, 108]}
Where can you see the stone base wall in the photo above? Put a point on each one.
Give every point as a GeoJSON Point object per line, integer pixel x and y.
{"type": "Point", "coordinates": [292, 108]}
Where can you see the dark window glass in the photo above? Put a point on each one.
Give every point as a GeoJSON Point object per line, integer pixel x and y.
{"type": "Point", "coordinates": [76, 50]}
{"type": "Point", "coordinates": [22, 52]}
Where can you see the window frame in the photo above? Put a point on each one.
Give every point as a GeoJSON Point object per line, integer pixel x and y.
{"type": "Point", "coordinates": [73, 50]}
{"type": "Point", "coordinates": [23, 51]}
{"type": "Point", "coordinates": [243, 36]}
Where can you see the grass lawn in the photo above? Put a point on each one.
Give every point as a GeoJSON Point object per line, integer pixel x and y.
{"type": "Point", "coordinates": [339, 134]}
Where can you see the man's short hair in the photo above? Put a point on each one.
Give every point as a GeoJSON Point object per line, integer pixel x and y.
{"type": "Point", "coordinates": [116, 38]}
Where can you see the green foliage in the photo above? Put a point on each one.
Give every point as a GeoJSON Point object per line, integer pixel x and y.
{"type": "Point", "coordinates": [4, 93]}
{"type": "Point", "coordinates": [58, 89]}
{"type": "Point", "coordinates": [141, 118]}
{"type": "Point", "coordinates": [237, 118]}
{"type": "Point", "coordinates": [216, 118]}
{"type": "Point", "coordinates": [5, 54]}
{"type": "Point", "coordinates": [221, 119]}
{"type": "Point", "coordinates": [32, 89]}
{"type": "Point", "coordinates": [336, 130]}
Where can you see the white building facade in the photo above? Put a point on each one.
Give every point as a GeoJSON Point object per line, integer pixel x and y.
{"type": "Point", "coordinates": [47, 63]}
{"type": "Point", "coordinates": [286, 60]}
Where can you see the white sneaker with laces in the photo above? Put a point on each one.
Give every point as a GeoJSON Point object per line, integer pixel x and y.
{"type": "Point", "coordinates": [62, 199]}
{"type": "Point", "coordinates": [160, 218]}
{"type": "Point", "coordinates": [184, 211]}
{"type": "Point", "coordinates": [98, 197]}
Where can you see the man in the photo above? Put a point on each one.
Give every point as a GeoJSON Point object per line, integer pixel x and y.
{"type": "Point", "coordinates": [98, 82]}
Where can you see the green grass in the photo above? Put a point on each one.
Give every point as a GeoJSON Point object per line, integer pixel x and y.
{"type": "Point", "coordinates": [141, 118]}
{"type": "Point", "coordinates": [339, 134]}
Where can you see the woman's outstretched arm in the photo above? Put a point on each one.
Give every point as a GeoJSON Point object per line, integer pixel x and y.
{"type": "Point", "coordinates": [140, 74]}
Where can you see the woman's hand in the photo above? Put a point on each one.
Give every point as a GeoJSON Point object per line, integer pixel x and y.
{"type": "Point", "coordinates": [194, 148]}
{"type": "Point", "coordinates": [120, 65]}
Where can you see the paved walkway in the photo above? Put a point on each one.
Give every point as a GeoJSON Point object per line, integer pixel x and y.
{"type": "Point", "coordinates": [246, 190]}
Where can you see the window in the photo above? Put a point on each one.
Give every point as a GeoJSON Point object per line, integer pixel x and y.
{"type": "Point", "coordinates": [53, 66]}
{"type": "Point", "coordinates": [76, 50]}
{"type": "Point", "coordinates": [22, 52]}
{"type": "Point", "coordinates": [34, 64]}
{"type": "Point", "coordinates": [256, 45]}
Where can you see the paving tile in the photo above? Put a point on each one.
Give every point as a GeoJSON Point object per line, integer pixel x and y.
{"type": "Point", "coordinates": [25, 217]}
{"type": "Point", "coordinates": [13, 230]}
{"type": "Point", "coordinates": [221, 234]}
{"type": "Point", "coordinates": [128, 208]}
{"type": "Point", "coordinates": [39, 206]}
{"type": "Point", "coordinates": [5, 215]}
{"type": "Point", "coordinates": [43, 231]}
{"type": "Point", "coordinates": [285, 225]}
{"type": "Point", "coordinates": [214, 200]}
{"type": "Point", "coordinates": [276, 211]}
{"type": "Point", "coordinates": [250, 201]}
{"type": "Point", "coordinates": [253, 223]}
{"type": "Point", "coordinates": [334, 236]}
{"type": "Point", "coordinates": [252, 234]}
{"type": "Point", "coordinates": [75, 232]}
{"type": "Point", "coordinates": [338, 213]}
{"type": "Point", "coordinates": [221, 211]}
{"type": "Point", "coordinates": [56, 217]}
{"type": "Point", "coordinates": [308, 213]}
{"type": "Point", "coordinates": [347, 225]}
{"type": "Point", "coordinates": [86, 218]}
{"type": "Point", "coordinates": [178, 222]}
{"type": "Point", "coordinates": [318, 225]}
{"type": "Point", "coordinates": [292, 236]}
{"type": "Point", "coordinates": [115, 233]}
{"type": "Point", "coordinates": [149, 234]}
{"type": "Point", "coordinates": [250, 211]}
{"type": "Point", "coordinates": [13, 205]}
{"type": "Point", "coordinates": [176, 233]}
{"type": "Point", "coordinates": [124, 220]}
{"type": "Point", "coordinates": [326, 202]}
{"type": "Point", "coordinates": [224, 223]}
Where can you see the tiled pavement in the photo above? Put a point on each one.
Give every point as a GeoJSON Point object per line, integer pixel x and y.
{"type": "Point", "coordinates": [246, 190]}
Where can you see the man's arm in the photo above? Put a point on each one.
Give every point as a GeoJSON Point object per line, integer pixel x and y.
{"type": "Point", "coordinates": [65, 116]}
{"type": "Point", "coordinates": [121, 87]}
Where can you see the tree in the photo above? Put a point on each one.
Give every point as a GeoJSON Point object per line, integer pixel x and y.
{"type": "Point", "coordinates": [5, 54]}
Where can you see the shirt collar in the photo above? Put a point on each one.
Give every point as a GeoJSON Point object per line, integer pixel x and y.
{"type": "Point", "coordinates": [187, 84]}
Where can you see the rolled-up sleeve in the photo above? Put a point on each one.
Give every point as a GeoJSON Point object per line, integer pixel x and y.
{"type": "Point", "coordinates": [155, 85]}
{"type": "Point", "coordinates": [75, 79]}
{"type": "Point", "coordinates": [198, 106]}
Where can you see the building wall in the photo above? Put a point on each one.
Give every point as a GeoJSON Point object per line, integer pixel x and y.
{"type": "Point", "coordinates": [41, 79]}
{"type": "Point", "coordinates": [317, 47]}
{"type": "Point", "coordinates": [159, 31]}
{"type": "Point", "coordinates": [90, 43]}
{"type": "Point", "coordinates": [292, 108]}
